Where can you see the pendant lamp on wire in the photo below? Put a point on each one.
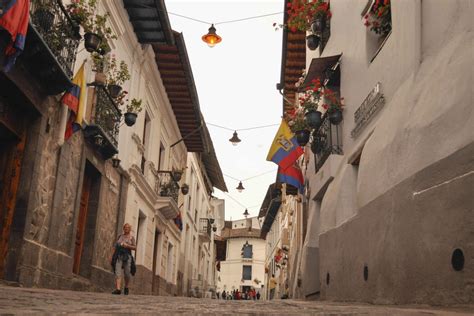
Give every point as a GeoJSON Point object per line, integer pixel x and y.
{"type": "Point", "coordinates": [235, 139]}
{"type": "Point", "coordinates": [240, 187]}
{"type": "Point", "coordinates": [211, 38]}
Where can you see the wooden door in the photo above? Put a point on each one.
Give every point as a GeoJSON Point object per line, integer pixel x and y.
{"type": "Point", "coordinates": [11, 157]}
{"type": "Point", "coordinates": [81, 222]}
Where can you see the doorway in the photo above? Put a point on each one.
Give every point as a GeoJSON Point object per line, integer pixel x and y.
{"type": "Point", "coordinates": [86, 222]}
{"type": "Point", "coordinates": [156, 261]}
{"type": "Point", "coordinates": [11, 155]}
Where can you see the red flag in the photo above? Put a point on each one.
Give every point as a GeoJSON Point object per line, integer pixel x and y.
{"type": "Point", "coordinates": [14, 19]}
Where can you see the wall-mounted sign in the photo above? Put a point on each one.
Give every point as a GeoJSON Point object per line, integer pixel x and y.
{"type": "Point", "coordinates": [367, 110]}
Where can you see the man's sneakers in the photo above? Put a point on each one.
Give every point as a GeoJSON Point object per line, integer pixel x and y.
{"type": "Point", "coordinates": [125, 291]}
{"type": "Point", "coordinates": [118, 292]}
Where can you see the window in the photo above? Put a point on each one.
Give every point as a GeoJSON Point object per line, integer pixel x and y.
{"type": "Point", "coordinates": [247, 273]}
{"type": "Point", "coordinates": [161, 159]}
{"type": "Point", "coordinates": [141, 237]}
{"type": "Point", "coordinates": [145, 139]}
{"type": "Point", "coordinates": [377, 18]}
{"type": "Point", "coordinates": [247, 251]}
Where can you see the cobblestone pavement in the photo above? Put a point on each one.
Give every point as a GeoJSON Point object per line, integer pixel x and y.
{"type": "Point", "coordinates": [14, 300]}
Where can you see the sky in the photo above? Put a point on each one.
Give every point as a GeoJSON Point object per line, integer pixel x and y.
{"type": "Point", "coordinates": [236, 84]}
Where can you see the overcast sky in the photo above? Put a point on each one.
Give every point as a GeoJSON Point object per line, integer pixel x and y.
{"type": "Point", "coordinates": [236, 82]}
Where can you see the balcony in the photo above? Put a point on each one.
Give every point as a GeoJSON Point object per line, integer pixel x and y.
{"type": "Point", "coordinates": [327, 140]}
{"type": "Point", "coordinates": [103, 129]}
{"type": "Point", "coordinates": [168, 192]}
{"type": "Point", "coordinates": [51, 45]}
{"type": "Point", "coordinates": [204, 230]}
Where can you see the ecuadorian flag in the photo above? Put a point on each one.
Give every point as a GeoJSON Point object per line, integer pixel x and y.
{"type": "Point", "coordinates": [285, 149]}
{"type": "Point", "coordinates": [292, 175]}
{"type": "Point", "coordinates": [75, 99]}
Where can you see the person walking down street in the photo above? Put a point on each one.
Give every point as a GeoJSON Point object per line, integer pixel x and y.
{"type": "Point", "coordinates": [258, 296]}
{"type": "Point", "coordinates": [224, 295]}
{"type": "Point", "coordinates": [122, 259]}
{"type": "Point", "coordinates": [272, 286]}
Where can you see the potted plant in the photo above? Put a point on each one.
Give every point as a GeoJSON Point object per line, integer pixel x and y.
{"type": "Point", "coordinates": [105, 32]}
{"type": "Point", "coordinates": [176, 174]}
{"type": "Point", "coordinates": [321, 14]}
{"type": "Point", "coordinates": [83, 12]}
{"type": "Point", "coordinates": [133, 108]}
{"type": "Point", "coordinates": [99, 62]}
{"type": "Point", "coordinates": [312, 41]}
{"type": "Point", "coordinates": [297, 124]}
{"type": "Point", "coordinates": [117, 74]}
{"type": "Point", "coordinates": [43, 16]}
{"type": "Point", "coordinates": [379, 18]}
{"type": "Point", "coordinates": [333, 106]}
{"type": "Point", "coordinates": [309, 102]}
{"type": "Point", "coordinates": [302, 13]}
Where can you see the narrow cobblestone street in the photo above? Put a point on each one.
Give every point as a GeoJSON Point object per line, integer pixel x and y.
{"type": "Point", "coordinates": [14, 300]}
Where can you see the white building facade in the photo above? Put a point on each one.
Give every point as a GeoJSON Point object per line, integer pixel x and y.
{"type": "Point", "coordinates": [244, 266]}
{"type": "Point", "coordinates": [388, 214]}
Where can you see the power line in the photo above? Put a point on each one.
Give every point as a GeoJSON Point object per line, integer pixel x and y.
{"type": "Point", "coordinates": [208, 23]}
{"type": "Point", "coordinates": [256, 176]}
{"type": "Point", "coordinates": [249, 18]}
{"type": "Point", "coordinates": [241, 129]}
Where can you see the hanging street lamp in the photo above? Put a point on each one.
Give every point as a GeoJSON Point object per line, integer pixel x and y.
{"type": "Point", "coordinates": [211, 38]}
{"type": "Point", "coordinates": [240, 187]}
{"type": "Point", "coordinates": [246, 213]}
{"type": "Point", "coordinates": [235, 139]}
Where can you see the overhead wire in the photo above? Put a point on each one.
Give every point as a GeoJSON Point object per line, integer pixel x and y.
{"type": "Point", "coordinates": [241, 129]}
{"type": "Point", "coordinates": [252, 177]}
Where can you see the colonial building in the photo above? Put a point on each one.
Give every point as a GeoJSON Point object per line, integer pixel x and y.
{"type": "Point", "coordinates": [242, 254]}
{"type": "Point", "coordinates": [200, 217]}
{"type": "Point", "coordinates": [63, 202]}
{"type": "Point", "coordinates": [389, 209]}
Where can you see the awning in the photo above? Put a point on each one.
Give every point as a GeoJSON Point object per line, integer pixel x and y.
{"type": "Point", "coordinates": [293, 60]}
{"type": "Point", "coordinates": [211, 163]}
{"type": "Point", "coordinates": [150, 21]}
{"type": "Point", "coordinates": [175, 69]}
{"type": "Point", "coordinates": [270, 216]}
{"type": "Point", "coordinates": [318, 69]}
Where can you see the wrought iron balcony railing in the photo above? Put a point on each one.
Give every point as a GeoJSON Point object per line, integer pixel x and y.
{"type": "Point", "coordinates": [326, 140]}
{"type": "Point", "coordinates": [166, 186]}
{"type": "Point", "coordinates": [60, 33]}
{"type": "Point", "coordinates": [103, 129]}
{"type": "Point", "coordinates": [205, 227]}
{"type": "Point", "coordinates": [107, 115]}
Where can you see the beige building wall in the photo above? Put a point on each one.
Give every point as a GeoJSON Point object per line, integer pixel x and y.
{"type": "Point", "coordinates": [143, 150]}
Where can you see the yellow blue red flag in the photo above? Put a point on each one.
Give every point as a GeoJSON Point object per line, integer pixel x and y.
{"type": "Point", "coordinates": [285, 149]}
{"type": "Point", "coordinates": [75, 99]}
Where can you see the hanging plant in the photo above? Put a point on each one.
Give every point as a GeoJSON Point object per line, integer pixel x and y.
{"type": "Point", "coordinates": [379, 18]}
{"type": "Point", "coordinates": [333, 105]}
{"type": "Point", "coordinates": [302, 13]}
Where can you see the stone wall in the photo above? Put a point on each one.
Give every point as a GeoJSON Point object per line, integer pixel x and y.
{"type": "Point", "coordinates": [406, 238]}
{"type": "Point", "coordinates": [43, 233]}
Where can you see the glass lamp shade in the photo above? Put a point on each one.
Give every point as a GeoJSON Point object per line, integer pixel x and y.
{"type": "Point", "coordinates": [211, 38]}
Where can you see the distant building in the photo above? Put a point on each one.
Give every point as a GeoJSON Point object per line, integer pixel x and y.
{"type": "Point", "coordinates": [241, 251]}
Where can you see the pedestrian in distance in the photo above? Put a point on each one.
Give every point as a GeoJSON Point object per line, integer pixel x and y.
{"type": "Point", "coordinates": [122, 260]}
{"type": "Point", "coordinates": [258, 296]}
{"type": "Point", "coordinates": [272, 286]}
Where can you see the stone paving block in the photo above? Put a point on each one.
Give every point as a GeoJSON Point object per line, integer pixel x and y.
{"type": "Point", "coordinates": [14, 300]}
